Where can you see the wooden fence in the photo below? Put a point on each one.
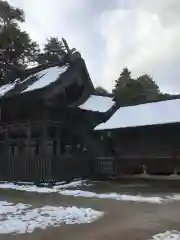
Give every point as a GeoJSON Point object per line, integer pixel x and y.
{"type": "Point", "coordinates": [44, 168]}
{"type": "Point", "coordinates": [66, 167]}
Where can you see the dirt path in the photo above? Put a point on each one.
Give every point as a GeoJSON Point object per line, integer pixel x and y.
{"type": "Point", "coordinates": [122, 220]}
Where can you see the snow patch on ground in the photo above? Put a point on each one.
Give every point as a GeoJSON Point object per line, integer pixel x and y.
{"type": "Point", "coordinates": [73, 184]}
{"type": "Point", "coordinates": [174, 197]}
{"type": "Point", "coordinates": [169, 235]}
{"type": "Point", "coordinates": [22, 218]}
{"type": "Point", "coordinates": [29, 187]}
{"type": "Point", "coordinates": [115, 196]}
{"type": "Point", "coordinates": [66, 189]}
{"type": "Point", "coordinates": [61, 189]}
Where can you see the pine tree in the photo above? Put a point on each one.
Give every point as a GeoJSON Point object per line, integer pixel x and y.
{"type": "Point", "coordinates": [17, 50]}
{"type": "Point", "coordinates": [150, 88]}
{"type": "Point", "coordinates": [124, 79]}
{"type": "Point", "coordinates": [53, 49]}
{"type": "Point", "coordinates": [130, 91]}
{"type": "Point", "coordinates": [122, 88]}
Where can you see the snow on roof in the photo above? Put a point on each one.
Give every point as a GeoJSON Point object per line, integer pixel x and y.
{"type": "Point", "coordinates": [97, 104]}
{"type": "Point", "coordinates": [143, 115]}
{"type": "Point", "coordinates": [6, 88]}
{"type": "Point", "coordinates": [45, 77]}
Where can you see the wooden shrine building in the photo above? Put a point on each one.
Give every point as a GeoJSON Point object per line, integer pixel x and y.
{"type": "Point", "coordinates": [142, 139]}
{"type": "Point", "coordinates": [46, 123]}
{"type": "Point", "coordinates": [53, 126]}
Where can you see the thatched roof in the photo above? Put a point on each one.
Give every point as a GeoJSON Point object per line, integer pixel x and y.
{"type": "Point", "coordinates": [44, 82]}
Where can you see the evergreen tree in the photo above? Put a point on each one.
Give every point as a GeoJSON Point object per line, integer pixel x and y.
{"type": "Point", "coordinates": [101, 91]}
{"type": "Point", "coordinates": [124, 88]}
{"type": "Point", "coordinates": [130, 91]}
{"type": "Point", "coordinates": [53, 49]}
{"type": "Point", "coordinates": [150, 88]}
{"type": "Point", "coordinates": [17, 50]}
{"type": "Point", "coordinates": [10, 15]}
{"type": "Point", "coordinates": [124, 79]}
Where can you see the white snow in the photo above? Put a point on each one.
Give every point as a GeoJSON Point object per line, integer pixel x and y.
{"type": "Point", "coordinates": [45, 77]}
{"type": "Point", "coordinates": [174, 197]}
{"type": "Point", "coordinates": [22, 218]}
{"type": "Point", "coordinates": [87, 194]}
{"type": "Point", "coordinates": [121, 197]}
{"type": "Point", "coordinates": [169, 235]}
{"type": "Point", "coordinates": [73, 184]}
{"type": "Point", "coordinates": [6, 88]}
{"type": "Point", "coordinates": [66, 189]}
{"type": "Point", "coordinates": [29, 187]}
{"type": "Point", "coordinates": [143, 115]}
{"type": "Point", "coordinates": [97, 104]}
{"type": "Point", "coordinates": [114, 196]}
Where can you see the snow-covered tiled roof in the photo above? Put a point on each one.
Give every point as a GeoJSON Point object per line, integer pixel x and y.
{"type": "Point", "coordinates": [44, 78]}
{"type": "Point", "coordinates": [97, 103]}
{"type": "Point", "coordinates": [144, 115]}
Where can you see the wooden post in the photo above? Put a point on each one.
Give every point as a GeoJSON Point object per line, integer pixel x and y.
{"type": "Point", "coordinates": [44, 131]}
{"type": "Point", "coordinates": [28, 142]}
{"type": "Point", "coordinates": [175, 165]}
{"type": "Point", "coordinates": [44, 137]}
{"type": "Point", "coordinates": [7, 155]}
{"type": "Point", "coordinates": [144, 170]}
{"type": "Point", "coordinates": [6, 140]}
{"type": "Point", "coordinates": [142, 150]}
{"type": "Point", "coordinates": [58, 137]}
{"type": "Point", "coordinates": [28, 153]}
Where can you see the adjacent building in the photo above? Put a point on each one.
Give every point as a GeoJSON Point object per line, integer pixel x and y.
{"type": "Point", "coordinates": [144, 138]}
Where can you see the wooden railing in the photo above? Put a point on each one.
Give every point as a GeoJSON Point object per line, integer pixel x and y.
{"type": "Point", "coordinates": [134, 165]}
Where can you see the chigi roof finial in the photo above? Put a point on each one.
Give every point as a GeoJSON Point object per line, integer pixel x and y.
{"type": "Point", "coordinates": [73, 54]}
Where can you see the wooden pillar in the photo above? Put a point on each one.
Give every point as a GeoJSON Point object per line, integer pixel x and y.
{"type": "Point", "coordinates": [142, 152]}
{"type": "Point", "coordinates": [28, 174]}
{"type": "Point", "coordinates": [144, 170]}
{"type": "Point", "coordinates": [28, 142]}
{"type": "Point", "coordinates": [6, 140]}
{"type": "Point", "coordinates": [44, 137]}
{"type": "Point", "coordinates": [44, 130]}
{"type": "Point", "coordinates": [7, 155]}
{"type": "Point", "coordinates": [58, 139]}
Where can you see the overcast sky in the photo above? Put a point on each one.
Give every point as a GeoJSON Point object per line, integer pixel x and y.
{"type": "Point", "coordinates": [143, 35]}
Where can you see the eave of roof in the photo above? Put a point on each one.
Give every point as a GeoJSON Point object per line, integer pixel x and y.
{"type": "Point", "coordinates": [156, 113]}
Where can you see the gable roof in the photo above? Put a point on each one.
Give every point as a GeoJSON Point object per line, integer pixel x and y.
{"type": "Point", "coordinates": [147, 114]}
{"type": "Point", "coordinates": [51, 81]}
{"type": "Point", "coordinates": [35, 81]}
